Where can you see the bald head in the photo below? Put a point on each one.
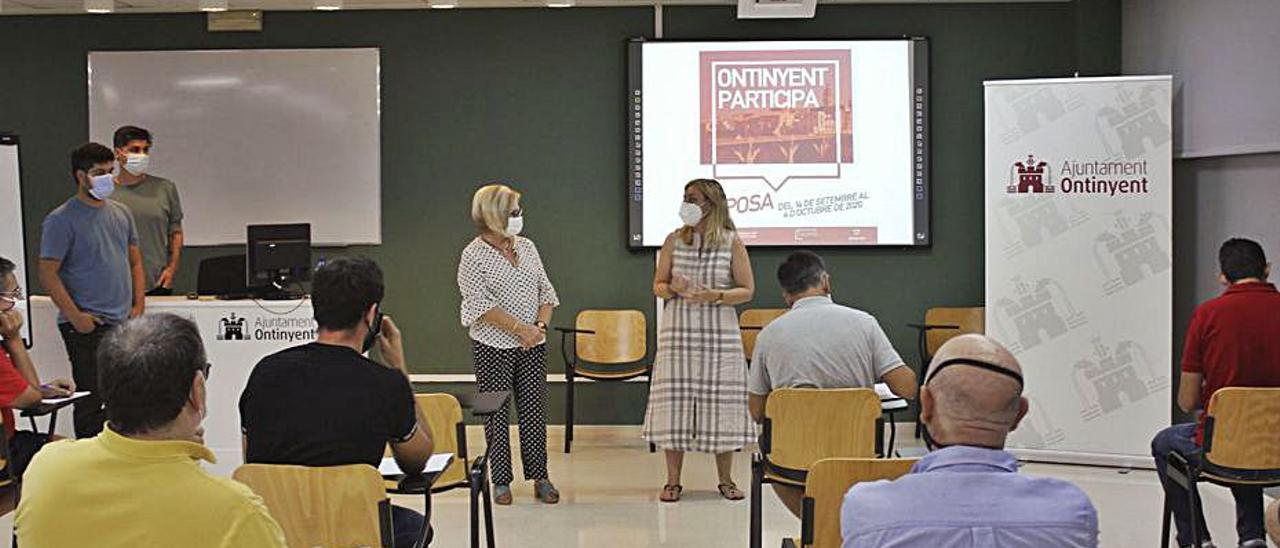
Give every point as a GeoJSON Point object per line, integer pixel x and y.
{"type": "Point", "coordinates": [964, 404]}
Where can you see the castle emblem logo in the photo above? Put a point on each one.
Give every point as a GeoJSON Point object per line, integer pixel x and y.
{"type": "Point", "coordinates": [231, 328]}
{"type": "Point", "coordinates": [1029, 177]}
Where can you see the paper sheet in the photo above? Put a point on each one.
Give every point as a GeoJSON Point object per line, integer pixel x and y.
{"type": "Point", "coordinates": [436, 463]}
{"type": "Point", "coordinates": [75, 396]}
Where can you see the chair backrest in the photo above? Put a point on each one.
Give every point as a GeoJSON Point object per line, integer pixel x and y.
{"type": "Point", "coordinates": [224, 275]}
{"type": "Point", "coordinates": [444, 414]}
{"type": "Point", "coordinates": [754, 320]}
{"type": "Point", "coordinates": [970, 319]}
{"type": "Point", "coordinates": [1242, 430]}
{"type": "Point", "coordinates": [828, 482]}
{"type": "Point", "coordinates": [619, 336]}
{"type": "Point", "coordinates": [322, 506]}
{"type": "Point", "coordinates": [808, 424]}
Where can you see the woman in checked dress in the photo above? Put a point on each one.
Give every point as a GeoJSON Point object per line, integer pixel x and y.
{"type": "Point", "coordinates": [698, 395]}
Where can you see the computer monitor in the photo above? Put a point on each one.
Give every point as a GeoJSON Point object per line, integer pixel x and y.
{"type": "Point", "coordinates": [278, 259]}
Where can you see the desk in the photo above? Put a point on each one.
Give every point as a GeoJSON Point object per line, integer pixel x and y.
{"type": "Point", "coordinates": [236, 335]}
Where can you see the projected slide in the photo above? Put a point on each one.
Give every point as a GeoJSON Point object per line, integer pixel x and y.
{"type": "Point", "coordinates": [817, 143]}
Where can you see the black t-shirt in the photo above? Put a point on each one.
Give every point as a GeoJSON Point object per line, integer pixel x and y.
{"type": "Point", "coordinates": [324, 405]}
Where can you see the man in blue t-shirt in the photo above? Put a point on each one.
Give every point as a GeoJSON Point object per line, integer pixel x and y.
{"type": "Point", "coordinates": [91, 266]}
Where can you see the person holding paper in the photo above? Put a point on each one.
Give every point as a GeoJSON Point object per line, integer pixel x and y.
{"type": "Point", "coordinates": [698, 395]}
{"type": "Point", "coordinates": [820, 344]}
{"type": "Point", "coordinates": [507, 300]}
{"type": "Point", "coordinates": [20, 386]}
{"type": "Point", "coordinates": [156, 209]}
{"type": "Point", "coordinates": [326, 404]}
{"type": "Point", "coordinates": [91, 266]}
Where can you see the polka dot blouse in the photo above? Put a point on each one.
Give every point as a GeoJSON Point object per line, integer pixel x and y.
{"type": "Point", "coordinates": [487, 280]}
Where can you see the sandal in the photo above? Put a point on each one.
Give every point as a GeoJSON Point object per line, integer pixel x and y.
{"type": "Point", "coordinates": [730, 491]}
{"type": "Point", "coordinates": [671, 493]}
{"type": "Point", "coordinates": [502, 495]}
{"type": "Point", "coordinates": [545, 492]}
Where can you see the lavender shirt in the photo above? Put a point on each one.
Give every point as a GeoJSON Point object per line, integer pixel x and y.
{"type": "Point", "coordinates": [962, 497]}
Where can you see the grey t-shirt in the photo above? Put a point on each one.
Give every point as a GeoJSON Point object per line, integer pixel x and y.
{"type": "Point", "coordinates": [820, 344]}
{"type": "Point", "coordinates": [93, 245]}
{"type": "Point", "coordinates": [157, 212]}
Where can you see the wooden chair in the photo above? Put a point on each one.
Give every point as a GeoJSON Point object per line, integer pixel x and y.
{"type": "Point", "coordinates": [608, 346]}
{"type": "Point", "coordinates": [803, 426]}
{"type": "Point", "coordinates": [829, 481]}
{"type": "Point", "coordinates": [940, 325]}
{"type": "Point", "coordinates": [449, 433]}
{"type": "Point", "coordinates": [324, 506]}
{"type": "Point", "coordinates": [1241, 448]}
{"type": "Point", "coordinates": [752, 321]}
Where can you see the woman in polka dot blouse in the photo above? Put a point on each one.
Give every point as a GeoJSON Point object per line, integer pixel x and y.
{"type": "Point", "coordinates": [507, 301]}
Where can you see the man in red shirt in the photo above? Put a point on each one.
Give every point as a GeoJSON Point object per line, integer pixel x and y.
{"type": "Point", "coordinates": [19, 385]}
{"type": "Point", "coordinates": [1233, 340]}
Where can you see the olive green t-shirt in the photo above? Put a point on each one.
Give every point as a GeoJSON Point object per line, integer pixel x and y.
{"type": "Point", "coordinates": [157, 212]}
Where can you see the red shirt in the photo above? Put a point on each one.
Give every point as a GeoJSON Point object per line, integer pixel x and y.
{"type": "Point", "coordinates": [12, 385]}
{"type": "Point", "coordinates": [1234, 340]}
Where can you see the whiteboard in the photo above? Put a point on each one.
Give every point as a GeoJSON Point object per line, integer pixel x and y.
{"type": "Point", "coordinates": [12, 245]}
{"type": "Point", "coordinates": [253, 136]}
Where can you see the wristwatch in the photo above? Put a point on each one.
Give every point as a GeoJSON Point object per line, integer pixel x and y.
{"type": "Point", "coordinates": [540, 325]}
{"type": "Point", "coordinates": [720, 299]}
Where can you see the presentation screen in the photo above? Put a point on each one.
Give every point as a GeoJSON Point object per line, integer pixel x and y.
{"type": "Point", "coordinates": [817, 143]}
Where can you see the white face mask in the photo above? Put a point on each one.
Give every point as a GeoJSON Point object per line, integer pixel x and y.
{"type": "Point", "coordinates": [137, 164]}
{"type": "Point", "coordinates": [102, 186]}
{"type": "Point", "coordinates": [515, 225]}
{"type": "Point", "coordinates": [690, 213]}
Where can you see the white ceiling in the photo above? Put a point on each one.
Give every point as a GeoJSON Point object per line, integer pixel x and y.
{"type": "Point", "coordinates": [57, 7]}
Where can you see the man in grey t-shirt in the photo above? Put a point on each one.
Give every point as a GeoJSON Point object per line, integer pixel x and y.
{"type": "Point", "coordinates": [156, 209]}
{"type": "Point", "coordinates": [820, 344]}
{"type": "Point", "coordinates": [91, 266]}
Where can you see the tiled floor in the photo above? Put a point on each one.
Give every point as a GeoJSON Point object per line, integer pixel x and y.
{"type": "Point", "coordinates": [610, 485]}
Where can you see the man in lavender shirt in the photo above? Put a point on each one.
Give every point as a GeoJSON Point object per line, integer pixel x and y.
{"type": "Point", "coordinates": [967, 492]}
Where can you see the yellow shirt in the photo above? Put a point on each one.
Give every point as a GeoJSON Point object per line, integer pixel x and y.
{"type": "Point", "coordinates": [115, 491]}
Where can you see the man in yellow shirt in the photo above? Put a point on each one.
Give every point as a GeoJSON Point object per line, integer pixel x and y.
{"type": "Point", "coordinates": [139, 483]}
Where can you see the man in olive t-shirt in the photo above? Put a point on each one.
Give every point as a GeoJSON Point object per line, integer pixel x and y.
{"type": "Point", "coordinates": [154, 204]}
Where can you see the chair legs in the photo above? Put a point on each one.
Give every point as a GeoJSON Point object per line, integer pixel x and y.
{"type": "Point", "coordinates": [568, 408]}
{"type": "Point", "coordinates": [1164, 527]}
{"type": "Point", "coordinates": [479, 480]}
{"type": "Point", "coordinates": [757, 502]}
{"type": "Point", "coordinates": [1193, 498]}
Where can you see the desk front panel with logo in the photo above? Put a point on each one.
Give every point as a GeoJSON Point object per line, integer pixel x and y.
{"type": "Point", "coordinates": [236, 335]}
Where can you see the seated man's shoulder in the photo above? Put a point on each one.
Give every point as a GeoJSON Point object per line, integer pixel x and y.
{"type": "Point", "coordinates": [877, 501]}
{"type": "Point", "coordinates": [1050, 492]}
{"type": "Point", "coordinates": [59, 453]}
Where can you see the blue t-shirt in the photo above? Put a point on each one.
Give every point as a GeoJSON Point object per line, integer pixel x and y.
{"type": "Point", "coordinates": [93, 245]}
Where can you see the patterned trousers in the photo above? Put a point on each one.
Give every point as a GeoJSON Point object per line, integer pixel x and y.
{"type": "Point", "coordinates": [524, 374]}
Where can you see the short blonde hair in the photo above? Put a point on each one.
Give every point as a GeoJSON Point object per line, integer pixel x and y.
{"type": "Point", "coordinates": [492, 206]}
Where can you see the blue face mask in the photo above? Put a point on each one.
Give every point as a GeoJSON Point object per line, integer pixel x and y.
{"type": "Point", "coordinates": [101, 186]}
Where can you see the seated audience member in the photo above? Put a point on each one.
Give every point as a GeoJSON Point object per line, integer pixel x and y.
{"type": "Point", "coordinates": [1233, 340]}
{"type": "Point", "coordinates": [325, 404]}
{"type": "Point", "coordinates": [20, 386]}
{"type": "Point", "coordinates": [819, 344]}
{"type": "Point", "coordinates": [967, 491]}
{"type": "Point", "coordinates": [139, 482]}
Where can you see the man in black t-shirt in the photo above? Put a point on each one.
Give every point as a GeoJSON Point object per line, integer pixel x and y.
{"type": "Point", "coordinates": [325, 404]}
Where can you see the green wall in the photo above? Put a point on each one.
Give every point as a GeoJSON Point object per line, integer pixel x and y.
{"type": "Point", "coordinates": [535, 97]}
